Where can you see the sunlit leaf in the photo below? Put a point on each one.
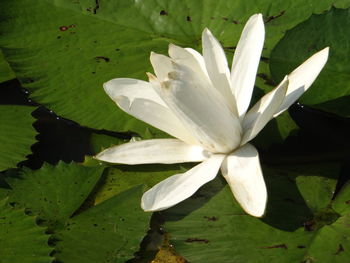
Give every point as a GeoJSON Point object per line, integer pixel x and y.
{"type": "Point", "coordinates": [64, 54]}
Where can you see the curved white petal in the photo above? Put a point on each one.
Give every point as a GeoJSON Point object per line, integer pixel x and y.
{"type": "Point", "coordinates": [190, 58]}
{"type": "Point", "coordinates": [262, 112]}
{"type": "Point", "coordinates": [139, 99]}
{"type": "Point", "coordinates": [153, 151]}
{"type": "Point", "coordinates": [131, 88]}
{"type": "Point", "coordinates": [179, 187]}
{"type": "Point", "coordinates": [201, 110]}
{"type": "Point", "coordinates": [161, 64]}
{"type": "Point", "coordinates": [217, 67]}
{"type": "Point", "coordinates": [246, 61]}
{"type": "Point", "coordinates": [242, 172]}
{"type": "Point", "coordinates": [303, 77]}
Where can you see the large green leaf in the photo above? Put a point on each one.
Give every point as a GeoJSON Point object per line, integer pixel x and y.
{"type": "Point", "coordinates": [122, 177]}
{"type": "Point", "coordinates": [21, 240]}
{"type": "Point", "coordinates": [54, 193]}
{"type": "Point", "coordinates": [328, 29]}
{"type": "Point", "coordinates": [16, 134]}
{"type": "Point", "coordinates": [299, 226]}
{"type": "Point", "coordinates": [109, 232]}
{"type": "Point", "coordinates": [67, 49]}
{"type": "Point", "coordinates": [6, 72]}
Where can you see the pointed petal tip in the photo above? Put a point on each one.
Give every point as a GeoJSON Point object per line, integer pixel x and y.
{"type": "Point", "coordinates": [325, 52]}
{"type": "Point", "coordinates": [206, 32]}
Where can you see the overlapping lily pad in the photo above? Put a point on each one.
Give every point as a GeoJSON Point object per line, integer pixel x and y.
{"type": "Point", "coordinates": [16, 134]}
{"type": "Point", "coordinates": [54, 193]}
{"type": "Point", "coordinates": [331, 91]}
{"type": "Point", "coordinates": [122, 177]}
{"type": "Point", "coordinates": [64, 55]}
{"type": "Point", "coordinates": [6, 72]}
{"type": "Point", "coordinates": [109, 232]}
{"type": "Point", "coordinates": [301, 224]}
{"type": "Point", "coordinates": [21, 240]}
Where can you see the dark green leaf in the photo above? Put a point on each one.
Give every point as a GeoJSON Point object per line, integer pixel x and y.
{"type": "Point", "coordinates": [299, 226]}
{"type": "Point", "coordinates": [319, 31]}
{"type": "Point", "coordinates": [65, 53]}
{"type": "Point", "coordinates": [109, 232]}
{"type": "Point", "coordinates": [6, 72]}
{"type": "Point", "coordinates": [21, 240]}
{"type": "Point", "coordinates": [54, 193]}
{"type": "Point", "coordinates": [16, 134]}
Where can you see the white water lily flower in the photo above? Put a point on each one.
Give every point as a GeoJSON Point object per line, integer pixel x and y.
{"type": "Point", "coordinates": [204, 106]}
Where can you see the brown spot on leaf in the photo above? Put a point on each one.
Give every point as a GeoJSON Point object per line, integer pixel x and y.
{"type": "Point", "coordinates": [347, 202]}
{"type": "Point", "coordinates": [309, 225]}
{"type": "Point", "coordinates": [340, 249]}
{"type": "Point", "coordinates": [211, 218]}
{"type": "Point", "coordinates": [99, 58]}
{"type": "Point", "coordinates": [163, 13]}
{"type": "Point", "coordinates": [265, 59]}
{"type": "Point", "coordinates": [301, 246]}
{"type": "Point", "coordinates": [72, 25]}
{"type": "Point", "coordinates": [200, 240]}
{"type": "Point", "coordinates": [63, 28]}
{"type": "Point", "coordinates": [270, 18]}
{"type": "Point", "coordinates": [270, 82]}
{"type": "Point", "coordinates": [188, 19]}
{"type": "Point", "coordinates": [277, 246]}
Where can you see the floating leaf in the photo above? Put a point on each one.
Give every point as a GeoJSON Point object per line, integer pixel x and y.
{"type": "Point", "coordinates": [109, 232]}
{"type": "Point", "coordinates": [16, 134]}
{"type": "Point", "coordinates": [21, 240]}
{"type": "Point", "coordinates": [54, 193]}
{"type": "Point", "coordinates": [68, 49]}
{"type": "Point", "coordinates": [331, 91]}
{"type": "Point", "coordinates": [122, 177]}
{"type": "Point", "coordinates": [299, 226]}
{"type": "Point", "coordinates": [6, 72]}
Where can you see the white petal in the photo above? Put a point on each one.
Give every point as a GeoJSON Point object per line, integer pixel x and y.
{"type": "Point", "coordinates": [179, 187]}
{"type": "Point", "coordinates": [153, 151]}
{"type": "Point", "coordinates": [262, 112]}
{"type": "Point", "coordinates": [201, 110]}
{"type": "Point", "coordinates": [139, 99]}
{"type": "Point", "coordinates": [242, 172]}
{"type": "Point", "coordinates": [188, 57]}
{"type": "Point", "coordinates": [246, 61]}
{"type": "Point", "coordinates": [217, 67]}
{"type": "Point", "coordinates": [303, 77]}
{"type": "Point", "coordinates": [162, 65]}
{"type": "Point", "coordinates": [131, 88]}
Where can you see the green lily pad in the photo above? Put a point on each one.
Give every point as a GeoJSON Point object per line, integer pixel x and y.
{"type": "Point", "coordinates": [122, 177]}
{"type": "Point", "coordinates": [68, 49]}
{"type": "Point", "coordinates": [331, 90]}
{"type": "Point", "coordinates": [6, 72]}
{"type": "Point", "coordinates": [16, 134]}
{"type": "Point", "coordinates": [300, 224]}
{"type": "Point", "coordinates": [21, 240]}
{"type": "Point", "coordinates": [54, 193]}
{"type": "Point", "coordinates": [108, 232]}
